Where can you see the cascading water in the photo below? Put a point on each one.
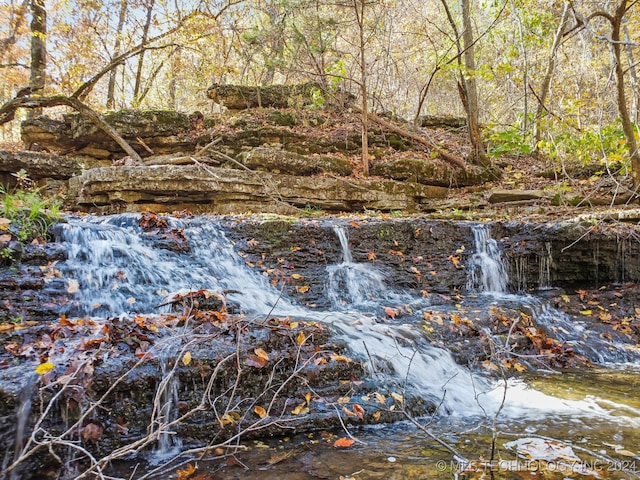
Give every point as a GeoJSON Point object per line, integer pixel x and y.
{"type": "Point", "coordinates": [487, 268]}
{"type": "Point", "coordinates": [166, 411]}
{"type": "Point", "coordinates": [119, 270]}
{"type": "Point", "coordinates": [351, 283]}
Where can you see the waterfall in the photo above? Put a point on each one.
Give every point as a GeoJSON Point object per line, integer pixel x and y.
{"type": "Point", "coordinates": [115, 268]}
{"type": "Point", "coordinates": [166, 411]}
{"type": "Point", "coordinates": [487, 267]}
{"type": "Point", "coordinates": [350, 283]}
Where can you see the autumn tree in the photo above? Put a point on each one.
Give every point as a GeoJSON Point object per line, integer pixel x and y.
{"type": "Point", "coordinates": [615, 40]}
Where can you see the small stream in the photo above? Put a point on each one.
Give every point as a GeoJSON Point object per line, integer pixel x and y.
{"type": "Point", "coordinates": [118, 271]}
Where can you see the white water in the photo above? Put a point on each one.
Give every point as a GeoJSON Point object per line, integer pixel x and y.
{"type": "Point", "coordinates": [120, 272]}
{"type": "Point", "coordinates": [166, 412]}
{"type": "Point", "coordinates": [352, 284]}
{"type": "Point", "coordinates": [487, 267]}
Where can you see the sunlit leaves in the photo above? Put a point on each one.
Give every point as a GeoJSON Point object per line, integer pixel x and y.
{"type": "Point", "coordinates": [229, 418]}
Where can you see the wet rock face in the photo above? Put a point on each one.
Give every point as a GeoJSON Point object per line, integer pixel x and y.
{"type": "Point", "coordinates": [569, 255]}
{"type": "Point", "coordinates": [426, 257]}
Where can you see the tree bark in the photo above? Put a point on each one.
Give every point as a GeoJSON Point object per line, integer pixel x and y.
{"type": "Point", "coordinates": [359, 8]}
{"type": "Point", "coordinates": [627, 126]}
{"type": "Point", "coordinates": [38, 50]}
{"type": "Point", "coordinates": [469, 90]}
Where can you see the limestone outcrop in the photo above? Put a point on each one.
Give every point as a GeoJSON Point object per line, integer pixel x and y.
{"type": "Point", "coordinates": [201, 188]}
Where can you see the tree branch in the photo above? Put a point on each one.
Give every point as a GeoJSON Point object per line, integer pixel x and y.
{"type": "Point", "coordinates": [8, 110]}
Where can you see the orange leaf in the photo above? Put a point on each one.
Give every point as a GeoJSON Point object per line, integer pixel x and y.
{"type": "Point", "coordinates": [354, 224]}
{"type": "Point", "coordinates": [343, 442]}
{"type": "Point", "coordinates": [371, 256]}
{"type": "Point", "coordinates": [261, 412]}
{"type": "Point", "coordinates": [359, 411]}
{"type": "Point", "coordinates": [186, 473]}
{"type": "Point", "coordinates": [301, 338]}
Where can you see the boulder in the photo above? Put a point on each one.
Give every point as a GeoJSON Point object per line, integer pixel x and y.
{"type": "Point", "coordinates": [240, 97]}
{"type": "Point", "coordinates": [432, 172]}
{"type": "Point", "coordinates": [508, 196]}
{"type": "Point", "coordinates": [163, 131]}
{"type": "Point", "coordinates": [38, 165]}
{"type": "Point", "coordinates": [281, 161]}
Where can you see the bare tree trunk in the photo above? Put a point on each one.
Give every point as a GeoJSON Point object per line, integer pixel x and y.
{"type": "Point", "coordinates": [359, 9]}
{"type": "Point", "coordinates": [111, 90]}
{"type": "Point", "coordinates": [633, 76]}
{"type": "Point", "coordinates": [38, 50]}
{"type": "Point", "coordinates": [627, 126]}
{"type": "Point", "coordinates": [145, 35]}
{"type": "Point", "coordinates": [468, 90]}
{"type": "Point", "coordinates": [546, 83]}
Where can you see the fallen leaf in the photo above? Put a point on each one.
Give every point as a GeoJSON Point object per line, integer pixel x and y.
{"type": "Point", "coordinates": [300, 409]}
{"type": "Point", "coordinates": [296, 276]}
{"type": "Point", "coordinates": [624, 452]}
{"type": "Point", "coordinates": [44, 368]}
{"type": "Point", "coordinates": [586, 312]}
{"type": "Point", "coordinates": [92, 432]}
{"type": "Point", "coordinates": [390, 312]}
{"type": "Point", "coordinates": [354, 224]}
{"type": "Point", "coordinates": [261, 353]}
{"type": "Point", "coordinates": [186, 473]}
{"type": "Point", "coordinates": [186, 358]}
{"type": "Point", "coordinates": [261, 412]}
{"type": "Point", "coordinates": [359, 411]}
{"type": "Point", "coordinates": [371, 256]}
{"type": "Point", "coordinates": [377, 415]}
{"type": "Point", "coordinates": [397, 397]}
{"type": "Point", "coordinates": [455, 260]}
{"type": "Point", "coordinates": [304, 289]}
{"type": "Point", "coordinates": [301, 338]}
{"type": "Point", "coordinates": [343, 442]}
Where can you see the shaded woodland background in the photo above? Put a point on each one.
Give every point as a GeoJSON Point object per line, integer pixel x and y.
{"type": "Point", "coordinates": [556, 77]}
